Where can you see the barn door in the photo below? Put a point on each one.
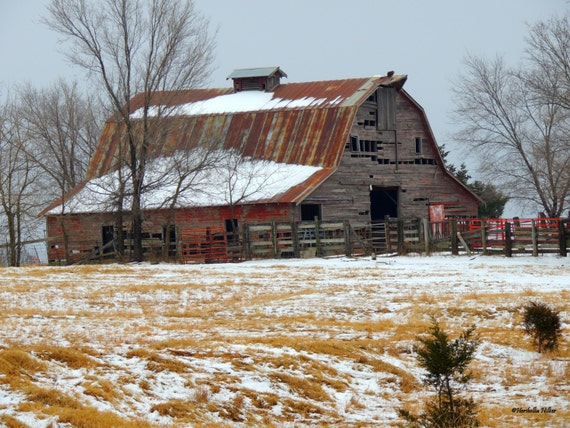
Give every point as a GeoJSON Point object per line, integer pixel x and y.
{"type": "Point", "coordinates": [383, 202]}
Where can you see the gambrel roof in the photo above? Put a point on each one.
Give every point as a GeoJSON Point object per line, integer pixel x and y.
{"type": "Point", "coordinates": [297, 123]}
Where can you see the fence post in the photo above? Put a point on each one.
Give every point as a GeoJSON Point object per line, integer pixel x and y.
{"type": "Point", "coordinates": [400, 225]}
{"type": "Point", "coordinates": [295, 238]}
{"type": "Point", "coordinates": [484, 237]}
{"type": "Point", "coordinates": [454, 240]}
{"type": "Point", "coordinates": [178, 244]}
{"type": "Point", "coordinates": [347, 242]}
{"type": "Point", "coordinates": [318, 252]}
{"type": "Point", "coordinates": [425, 224]}
{"type": "Point", "coordinates": [534, 239]}
{"type": "Point", "coordinates": [387, 233]}
{"type": "Point", "coordinates": [508, 240]}
{"type": "Point", "coordinates": [274, 238]}
{"type": "Point", "coordinates": [562, 238]}
{"type": "Point", "coordinates": [246, 242]}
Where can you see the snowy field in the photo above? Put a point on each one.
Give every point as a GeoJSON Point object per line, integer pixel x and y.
{"type": "Point", "coordinates": [284, 343]}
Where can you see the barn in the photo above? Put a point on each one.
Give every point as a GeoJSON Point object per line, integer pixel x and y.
{"type": "Point", "coordinates": [355, 150]}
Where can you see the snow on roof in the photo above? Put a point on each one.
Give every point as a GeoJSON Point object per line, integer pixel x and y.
{"type": "Point", "coordinates": [239, 102]}
{"type": "Point", "coordinates": [207, 179]}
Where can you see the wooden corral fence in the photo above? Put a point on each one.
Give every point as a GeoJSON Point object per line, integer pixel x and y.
{"type": "Point", "coordinates": [500, 236]}
{"type": "Point", "coordinates": [516, 236]}
{"type": "Point", "coordinates": [400, 236]}
{"type": "Point", "coordinates": [305, 239]}
{"type": "Point", "coordinates": [207, 245]}
{"type": "Point", "coordinates": [321, 239]}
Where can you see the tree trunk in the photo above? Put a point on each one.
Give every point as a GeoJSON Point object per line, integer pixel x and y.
{"type": "Point", "coordinates": [12, 256]}
{"type": "Point", "coordinates": [137, 228]}
{"type": "Point", "coordinates": [120, 235]}
{"type": "Point", "coordinates": [449, 393]}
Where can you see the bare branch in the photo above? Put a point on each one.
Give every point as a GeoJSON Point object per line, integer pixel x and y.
{"type": "Point", "coordinates": [518, 120]}
{"type": "Point", "coordinates": [130, 47]}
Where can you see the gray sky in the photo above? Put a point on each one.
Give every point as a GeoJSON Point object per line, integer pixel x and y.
{"type": "Point", "coordinates": [319, 40]}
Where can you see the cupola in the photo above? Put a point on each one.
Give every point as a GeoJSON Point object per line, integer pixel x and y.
{"type": "Point", "coordinates": [257, 79]}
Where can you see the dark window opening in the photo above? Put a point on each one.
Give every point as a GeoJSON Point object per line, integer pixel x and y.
{"type": "Point", "coordinates": [422, 161]}
{"type": "Point", "coordinates": [368, 146]}
{"type": "Point", "coordinates": [310, 211]}
{"type": "Point", "coordinates": [418, 145]}
{"type": "Point", "coordinates": [108, 236]}
{"type": "Point", "coordinates": [232, 229]}
{"type": "Point", "coordinates": [171, 235]}
{"type": "Point", "coordinates": [372, 98]}
{"type": "Point", "coordinates": [172, 232]}
{"type": "Point", "coordinates": [354, 143]}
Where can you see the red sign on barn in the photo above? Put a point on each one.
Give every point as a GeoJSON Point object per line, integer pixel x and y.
{"type": "Point", "coordinates": [436, 212]}
{"type": "Point", "coordinates": [436, 218]}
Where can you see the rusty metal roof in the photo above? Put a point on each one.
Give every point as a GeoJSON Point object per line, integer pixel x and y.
{"type": "Point", "coordinates": [301, 123]}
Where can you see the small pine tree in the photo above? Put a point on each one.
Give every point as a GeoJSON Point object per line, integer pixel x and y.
{"type": "Point", "coordinates": [542, 323]}
{"type": "Point", "coordinates": [446, 363]}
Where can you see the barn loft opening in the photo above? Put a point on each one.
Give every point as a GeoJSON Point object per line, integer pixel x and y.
{"type": "Point", "coordinates": [257, 79]}
{"type": "Point", "coordinates": [310, 211]}
{"type": "Point", "coordinates": [383, 202]}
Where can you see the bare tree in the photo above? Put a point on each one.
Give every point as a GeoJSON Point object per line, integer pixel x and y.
{"type": "Point", "coordinates": [130, 47]}
{"type": "Point", "coordinates": [549, 53]}
{"type": "Point", "coordinates": [65, 126]}
{"type": "Point", "coordinates": [520, 129]}
{"type": "Point", "coordinates": [17, 176]}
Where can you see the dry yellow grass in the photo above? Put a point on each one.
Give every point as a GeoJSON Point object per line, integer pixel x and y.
{"type": "Point", "coordinates": [12, 422]}
{"type": "Point", "coordinates": [270, 347]}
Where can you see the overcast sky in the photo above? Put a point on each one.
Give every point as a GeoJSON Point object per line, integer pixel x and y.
{"type": "Point", "coordinates": [319, 40]}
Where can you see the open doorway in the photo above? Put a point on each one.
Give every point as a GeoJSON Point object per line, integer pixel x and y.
{"type": "Point", "coordinates": [108, 235]}
{"type": "Point", "coordinates": [383, 202]}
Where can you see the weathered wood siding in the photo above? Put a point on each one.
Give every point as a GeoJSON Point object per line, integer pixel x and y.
{"type": "Point", "coordinates": [371, 159]}
{"type": "Point", "coordinates": [85, 231]}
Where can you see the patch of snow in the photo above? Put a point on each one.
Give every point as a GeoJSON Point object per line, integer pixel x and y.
{"type": "Point", "coordinates": [239, 102]}
{"type": "Point", "coordinates": [228, 179]}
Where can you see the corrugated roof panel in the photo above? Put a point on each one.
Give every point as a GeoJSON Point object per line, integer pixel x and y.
{"type": "Point", "coordinates": [294, 125]}
{"type": "Point", "coordinates": [273, 145]}
{"type": "Point", "coordinates": [259, 133]}
{"type": "Point", "coordinates": [102, 159]}
{"type": "Point", "coordinates": [302, 136]}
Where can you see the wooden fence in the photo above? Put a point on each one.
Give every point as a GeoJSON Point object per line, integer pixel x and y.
{"type": "Point", "coordinates": [274, 240]}
{"type": "Point", "coordinates": [321, 239]}
{"type": "Point", "coordinates": [401, 236]}
{"type": "Point", "coordinates": [516, 236]}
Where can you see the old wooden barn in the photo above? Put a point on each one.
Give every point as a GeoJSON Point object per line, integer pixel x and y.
{"type": "Point", "coordinates": [350, 151]}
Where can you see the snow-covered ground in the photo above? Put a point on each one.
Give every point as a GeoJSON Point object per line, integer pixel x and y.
{"type": "Point", "coordinates": [275, 342]}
